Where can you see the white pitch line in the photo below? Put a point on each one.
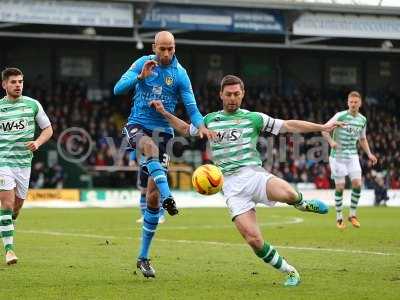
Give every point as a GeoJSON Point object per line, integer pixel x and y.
{"type": "Point", "coordinates": [95, 236]}
{"type": "Point", "coordinates": [294, 220]}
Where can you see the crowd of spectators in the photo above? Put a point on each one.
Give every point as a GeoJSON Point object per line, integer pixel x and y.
{"type": "Point", "coordinates": [67, 105]}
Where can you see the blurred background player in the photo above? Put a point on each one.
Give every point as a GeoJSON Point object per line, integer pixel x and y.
{"type": "Point", "coordinates": [142, 179]}
{"type": "Point", "coordinates": [18, 115]}
{"type": "Point", "coordinates": [162, 77]}
{"type": "Point", "coordinates": [246, 183]}
{"type": "Point", "coordinates": [344, 160]}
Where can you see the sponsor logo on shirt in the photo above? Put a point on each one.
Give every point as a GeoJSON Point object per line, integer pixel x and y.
{"type": "Point", "coordinates": [353, 130]}
{"type": "Point", "coordinates": [229, 135]}
{"type": "Point", "coordinates": [13, 125]}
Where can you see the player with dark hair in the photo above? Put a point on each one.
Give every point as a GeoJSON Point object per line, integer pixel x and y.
{"type": "Point", "coordinates": [18, 116]}
{"type": "Point", "coordinates": [246, 183]}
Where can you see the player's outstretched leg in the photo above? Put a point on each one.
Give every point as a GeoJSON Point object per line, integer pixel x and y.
{"type": "Point", "coordinates": [157, 172]}
{"type": "Point", "coordinates": [7, 235]}
{"type": "Point", "coordinates": [281, 191]}
{"type": "Point", "coordinates": [150, 222]}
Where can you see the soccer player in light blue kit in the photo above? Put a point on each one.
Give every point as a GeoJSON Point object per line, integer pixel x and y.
{"type": "Point", "coordinates": [156, 77]}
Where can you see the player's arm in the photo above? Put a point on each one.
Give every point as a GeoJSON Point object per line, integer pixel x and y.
{"type": "Point", "coordinates": [327, 135]}
{"type": "Point", "coordinates": [179, 125]}
{"type": "Point", "coordinates": [44, 136]}
{"type": "Point", "coordinates": [193, 112]}
{"type": "Point", "coordinates": [139, 70]}
{"type": "Point", "coordinates": [47, 131]}
{"type": "Point", "coordinates": [276, 126]}
{"type": "Point", "coordinates": [298, 126]}
{"type": "Point", "coordinates": [365, 146]}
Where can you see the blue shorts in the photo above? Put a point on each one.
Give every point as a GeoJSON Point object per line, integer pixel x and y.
{"type": "Point", "coordinates": [134, 132]}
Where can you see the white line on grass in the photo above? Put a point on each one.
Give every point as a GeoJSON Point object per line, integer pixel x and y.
{"type": "Point", "coordinates": [95, 236]}
{"type": "Point", "coordinates": [290, 220]}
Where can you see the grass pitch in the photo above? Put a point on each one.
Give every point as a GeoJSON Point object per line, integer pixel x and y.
{"type": "Point", "coordinates": [91, 254]}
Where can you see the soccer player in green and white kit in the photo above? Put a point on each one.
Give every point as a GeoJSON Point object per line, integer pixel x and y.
{"type": "Point", "coordinates": [246, 183]}
{"type": "Point", "coordinates": [18, 115]}
{"type": "Point", "coordinates": [343, 158]}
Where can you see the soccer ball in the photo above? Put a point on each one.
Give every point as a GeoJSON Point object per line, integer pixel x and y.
{"type": "Point", "coordinates": [207, 179]}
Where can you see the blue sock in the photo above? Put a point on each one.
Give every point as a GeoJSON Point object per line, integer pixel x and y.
{"type": "Point", "coordinates": [159, 176]}
{"type": "Point", "coordinates": [150, 222]}
{"type": "Point", "coordinates": [143, 204]}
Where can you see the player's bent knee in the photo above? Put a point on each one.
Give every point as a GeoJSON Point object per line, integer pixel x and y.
{"type": "Point", "coordinates": [7, 199]}
{"type": "Point", "coordinates": [255, 241]}
{"type": "Point", "coordinates": [356, 184]}
{"type": "Point", "coordinates": [339, 188]}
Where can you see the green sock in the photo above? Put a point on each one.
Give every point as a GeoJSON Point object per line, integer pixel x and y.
{"type": "Point", "coordinates": [300, 203]}
{"type": "Point", "coordinates": [269, 255]}
{"type": "Point", "coordinates": [7, 229]}
{"type": "Point", "coordinates": [339, 204]}
{"type": "Point", "coordinates": [299, 199]}
{"type": "Point", "coordinates": [355, 197]}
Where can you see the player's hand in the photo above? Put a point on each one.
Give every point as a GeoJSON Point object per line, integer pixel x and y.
{"type": "Point", "coordinates": [147, 69]}
{"type": "Point", "coordinates": [158, 106]}
{"type": "Point", "coordinates": [372, 159]}
{"type": "Point", "coordinates": [205, 132]}
{"type": "Point", "coordinates": [329, 126]}
{"type": "Point", "coordinates": [333, 145]}
{"type": "Point", "coordinates": [32, 145]}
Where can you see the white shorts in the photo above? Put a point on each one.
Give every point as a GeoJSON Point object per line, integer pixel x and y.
{"type": "Point", "coordinates": [244, 189]}
{"type": "Point", "coordinates": [17, 178]}
{"type": "Point", "coordinates": [342, 167]}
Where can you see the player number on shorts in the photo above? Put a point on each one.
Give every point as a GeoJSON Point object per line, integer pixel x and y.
{"type": "Point", "coordinates": [165, 160]}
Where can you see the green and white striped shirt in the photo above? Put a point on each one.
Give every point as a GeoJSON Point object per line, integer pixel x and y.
{"type": "Point", "coordinates": [238, 133]}
{"type": "Point", "coordinates": [347, 137]}
{"type": "Point", "coordinates": [17, 126]}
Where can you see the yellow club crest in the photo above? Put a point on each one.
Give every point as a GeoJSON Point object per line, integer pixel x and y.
{"type": "Point", "coordinates": [169, 80]}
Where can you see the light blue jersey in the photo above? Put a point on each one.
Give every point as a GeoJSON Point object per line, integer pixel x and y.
{"type": "Point", "coordinates": [168, 84]}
